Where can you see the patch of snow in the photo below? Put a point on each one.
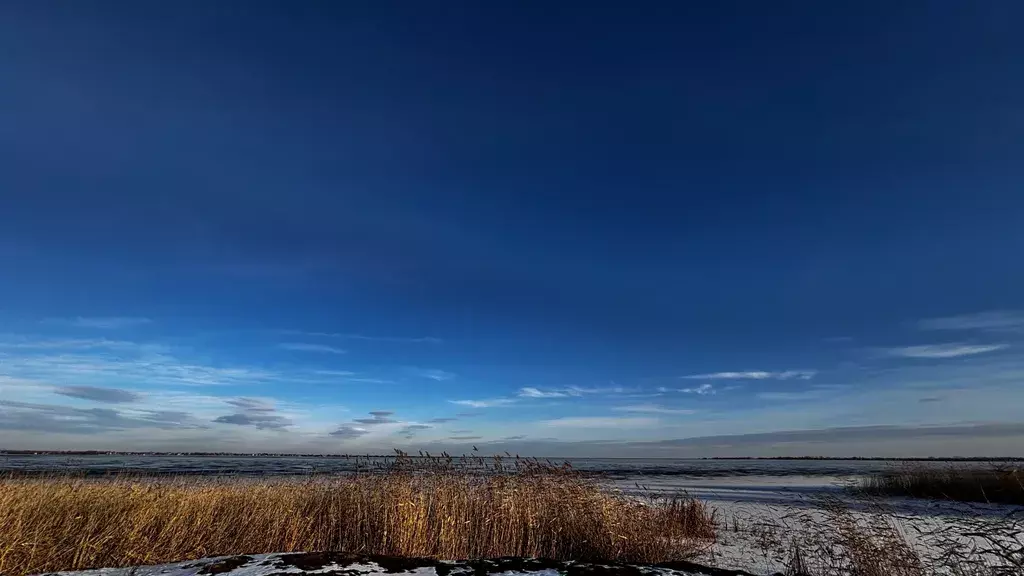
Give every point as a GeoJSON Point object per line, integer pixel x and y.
{"type": "Point", "coordinates": [336, 565]}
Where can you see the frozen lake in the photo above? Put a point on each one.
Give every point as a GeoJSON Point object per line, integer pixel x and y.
{"type": "Point", "coordinates": [659, 472]}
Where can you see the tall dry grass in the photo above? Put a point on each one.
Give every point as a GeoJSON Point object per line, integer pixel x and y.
{"type": "Point", "coordinates": [63, 523]}
{"type": "Point", "coordinates": [997, 485]}
{"type": "Point", "coordinates": [866, 537]}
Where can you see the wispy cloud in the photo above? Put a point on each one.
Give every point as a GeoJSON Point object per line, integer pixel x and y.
{"type": "Point", "coordinates": [251, 404]}
{"type": "Point", "coordinates": [370, 380]}
{"type": "Point", "coordinates": [651, 409]}
{"type": "Point", "coordinates": [994, 321]}
{"type": "Point", "coordinates": [755, 375]}
{"type": "Point", "coordinates": [410, 430]}
{"type": "Point", "coordinates": [350, 376]}
{"type": "Point", "coordinates": [338, 373]}
{"type": "Point", "coordinates": [24, 343]}
{"type": "Point", "coordinates": [348, 432]}
{"type": "Point", "coordinates": [97, 394]}
{"type": "Point", "coordinates": [535, 393]}
{"type": "Point", "coordinates": [256, 412]}
{"type": "Point", "coordinates": [377, 417]}
{"type": "Point", "coordinates": [609, 390]}
{"type": "Point", "coordinates": [601, 422]}
{"type": "Point", "coordinates": [954, 350]}
{"type": "Point", "coordinates": [365, 337]}
{"type": "Point", "coordinates": [490, 403]}
{"type": "Point", "coordinates": [434, 374]}
{"type": "Point", "coordinates": [101, 322]}
{"type": "Point", "coordinates": [464, 438]}
{"type": "Point", "coordinates": [530, 392]}
{"type": "Point", "coordinates": [703, 389]}
{"type": "Point", "coordinates": [39, 419]}
{"type": "Point", "coordinates": [261, 421]}
{"type": "Point", "coordinates": [441, 420]}
{"type": "Point", "coordinates": [307, 347]}
{"type": "Point", "coordinates": [83, 364]}
{"type": "Point", "coordinates": [413, 339]}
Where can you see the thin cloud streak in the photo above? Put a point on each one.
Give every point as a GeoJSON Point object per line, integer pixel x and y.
{"type": "Point", "coordinates": [703, 390]}
{"type": "Point", "coordinates": [410, 430]}
{"type": "Point", "coordinates": [101, 322]}
{"type": "Point", "coordinates": [535, 393]}
{"type": "Point", "coordinates": [365, 337]}
{"type": "Point", "coordinates": [491, 403]}
{"type": "Point", "coordinates": [22, 343]}
{"type": "Point", "coordinates": [938, 351]}
{"type": "Point", "coordinates": [97, 394]}
{"type": "Point", "coordinates": [307, 347]}
{"type": "Point", "coordinates": [412, 340]}
{"type": "Point", "coordinates": [377, 417]}
{"type": "Point", "coordinates": [652, 409]}
{"type": "Point", "coordinates": [994, 321]}
{"type": "Point", "coordinates": [601, 422]}
{"type": "Point", "coordinates": [573, 391]}
{"type": "Point", "coordinates": [346, 432]}
{"type": "Point", "coordinates": [117, 363]}
{"type": "Point", "coordinates": [258, 413]}
{"type": "Point", "coordinates": [609, 390]}
{"type": "Point", "coordinates": [152, 368]}
{"type": "Point", "coordinates": [434, 374]}
{"type": "Point", "coordinates": [755, 375]}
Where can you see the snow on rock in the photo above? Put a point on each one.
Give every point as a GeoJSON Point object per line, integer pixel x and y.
{"type": "Point", "coordinates": [347, 565]}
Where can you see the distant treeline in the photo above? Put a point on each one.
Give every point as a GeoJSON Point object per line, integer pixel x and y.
{"type": "Point", "coordinates": [119, 453]}
{"type": "Point", "coordinates": [878, 458]}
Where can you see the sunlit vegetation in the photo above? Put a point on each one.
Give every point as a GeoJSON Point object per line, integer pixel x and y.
{"type": "Point", "coordinates": [438, 508]}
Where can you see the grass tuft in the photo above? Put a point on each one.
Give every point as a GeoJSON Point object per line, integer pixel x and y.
{"type": "Point", "coordinates": [439, 511]}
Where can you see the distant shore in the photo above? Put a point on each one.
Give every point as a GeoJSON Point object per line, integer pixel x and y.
{"type": "Point", "coordinates": [556, 459]}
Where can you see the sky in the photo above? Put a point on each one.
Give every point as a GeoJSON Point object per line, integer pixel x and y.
{"type": "Point", "coordinates": [664, 229]}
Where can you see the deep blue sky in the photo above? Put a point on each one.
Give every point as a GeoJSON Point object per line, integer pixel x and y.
{"type": "Point", "coordinates": [328, 208]}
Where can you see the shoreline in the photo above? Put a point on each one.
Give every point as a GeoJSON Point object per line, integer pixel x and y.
{"type": "Point", "coordinates": [87, 453]}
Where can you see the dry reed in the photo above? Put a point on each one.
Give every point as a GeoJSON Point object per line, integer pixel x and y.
{"type": "Point", "coordinates": [532, 510]}
{"type": "Point", "coordinates": [999, 485]}
{"type": "Point", "coordinates": [831, 538]}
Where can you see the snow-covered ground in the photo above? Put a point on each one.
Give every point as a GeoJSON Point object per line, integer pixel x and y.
{"type": "Point", "coordinates": [762, 520]}
{"type": "Point", "coordinates": [342, 565]}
